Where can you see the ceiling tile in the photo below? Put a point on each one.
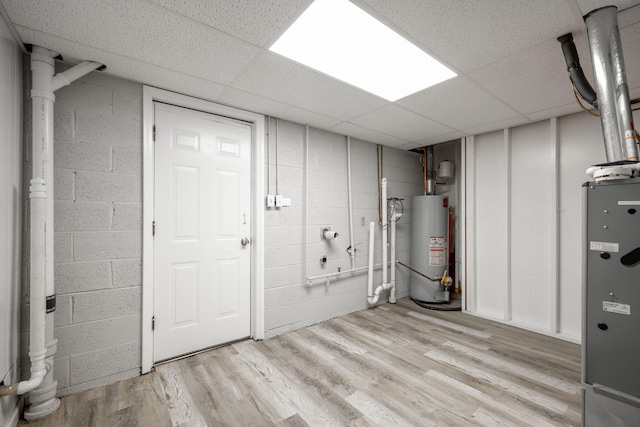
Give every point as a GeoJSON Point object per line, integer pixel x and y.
{"type": "Point", "coordinates": [470, 34]}
{"type": "Point", "coordinates": [630, 39]}
{"type": "Point", "coordinates": [587, 6]}
{"type": "Point", "coordinates": [442, 138]}
{"type": "Point", "coordinates": [275, 77]}
{"type": "Point", "coordinates": [458, 103]}
{"type": "Point", "coordinates": [366, 134]}
{"type": "Point", "coordinates": [257, 22]}
{"type": "Point", "coordinates": [161, 38]}
{"type": "Point", "coordinates": [629, 16]}
{"type": "Point", "coordinates": [127, 68]}
{"type": "Point", "coordinates": [555, 112]}
{"type": "Point", "coordinates": [511, 69]}
{"type": "Point", "coordinates": [504, 124]}
{"type": "Point", "coordinates": [402, 123]}
{"type": "Point", "coordinates": [256, 103]}
{"type": "Point", "coordinates": [533, 80]}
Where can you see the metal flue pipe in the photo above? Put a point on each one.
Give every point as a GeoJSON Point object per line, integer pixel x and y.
{"type": "Point", "coordinates": [620, 138]}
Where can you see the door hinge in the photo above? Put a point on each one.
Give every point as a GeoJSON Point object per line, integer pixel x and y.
{"type": "Point", "coordinates": [154, 133]}
{"type": "Point", "coordinates": [153, 323]}
{"type": "Point", "coordinates": [153, 228]}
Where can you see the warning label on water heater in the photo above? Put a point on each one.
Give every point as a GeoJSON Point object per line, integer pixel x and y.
{"type": "Point", "coordinates": [437, 254]}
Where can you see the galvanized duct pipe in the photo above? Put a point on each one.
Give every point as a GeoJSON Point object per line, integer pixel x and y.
{"type": "Point", "coordinates": [620, 138]}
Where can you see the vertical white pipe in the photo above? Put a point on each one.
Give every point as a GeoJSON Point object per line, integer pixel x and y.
{"type": "Point", "coordinates": [306, 203]}
{"type": "Point", "coordinates": [352, 253]}
{"type": "Point", "coordinates": [42, 400]}
{"type": "Point", "coordinates": [392, 294]}
{"type": "Point", "coordinates": [385, 221]}
{"type": "Point", "coordinates": [37, 271]}
{"type": "Point", "coordinates": [372, 226]}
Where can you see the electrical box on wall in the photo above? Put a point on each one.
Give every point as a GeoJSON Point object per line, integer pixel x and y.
{"type": "Point", "coordinates": [278, 201]}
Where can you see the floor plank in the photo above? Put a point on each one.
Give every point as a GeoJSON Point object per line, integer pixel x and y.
{"type": "Point", "coordinates": [393, 365]}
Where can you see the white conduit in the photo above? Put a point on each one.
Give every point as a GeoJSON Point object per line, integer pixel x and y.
{"type": "Point", "coordinates": [352, 248]}
{"type": "Point", "coordinates": [42, 345]}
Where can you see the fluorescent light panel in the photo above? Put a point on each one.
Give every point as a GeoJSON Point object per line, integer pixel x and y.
{"type": "Point", "coordinates": [339, 39]}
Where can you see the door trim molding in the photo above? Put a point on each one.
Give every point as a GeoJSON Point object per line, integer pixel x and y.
{"type": "Point", "coordinates": [257, 122]}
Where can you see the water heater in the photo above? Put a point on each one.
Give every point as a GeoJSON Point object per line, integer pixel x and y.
{"type": "Point", "coordinates": [429, 248]}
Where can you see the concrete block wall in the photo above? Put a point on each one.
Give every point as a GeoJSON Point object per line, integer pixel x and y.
{"type": "Point", "coordinates": [290, 302]}
{"type": "Point", "coordinates": [98, 246]}
{"type": "Point", "coordinates": [98, 217]}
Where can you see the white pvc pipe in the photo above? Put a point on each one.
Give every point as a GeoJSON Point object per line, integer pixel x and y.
{"type": "Point", "coordinates": [305, 187]}
{"type": "Point", "coordinates": [337, 274]}
{"type": "Point", "coordinates": [385, 221]}
{"type": "Point", "coordinates": [352, 250]}
{"type": "Point", "coordinates": [373, 296]}
{"type": "Point", "coordinates": [42, 347]}
{"type": "Point", "coordinates": [392, 294]}
{"type": "Point", "coordinates": [67, 77]}
{"type": "Point", "coordinates": [372, 226]}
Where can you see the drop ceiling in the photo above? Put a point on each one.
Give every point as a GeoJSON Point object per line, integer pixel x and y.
{"type": "Point", "coordinates": [509, 64]}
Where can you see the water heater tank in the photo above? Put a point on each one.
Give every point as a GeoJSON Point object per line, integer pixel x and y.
{"type": "Point", "coordinates": [429, 247]}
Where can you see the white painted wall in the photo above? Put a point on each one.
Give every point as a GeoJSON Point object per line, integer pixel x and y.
{"type": "Point", "coordinates": [98, 213]}
{"type": "Point", "coordinates": [289, 302]}
{"type": "Point", "coordinates": [98, 173]}
{"type": "Point", "coordinates": [10, 215]}
{"type": "Point", "coordinates": [524, 213]}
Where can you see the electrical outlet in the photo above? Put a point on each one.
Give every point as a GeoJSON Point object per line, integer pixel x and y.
{"type": "Point", "coordinates": [271, 201]}
{"type": "Point", "coordinates": [279, 200]}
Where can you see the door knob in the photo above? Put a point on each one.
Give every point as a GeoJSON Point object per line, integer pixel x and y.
{"type": "Point", "coordinates": [245, 241]}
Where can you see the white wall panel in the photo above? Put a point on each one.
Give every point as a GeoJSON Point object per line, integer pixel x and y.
{"type": "Point", "coordinates": [491, 214]}
{"type": "Point", "coordinates": [581, 146]}
{"type": "Point", "coordinates": [532, 197]}
{"type": "Point", "coordinates": [524, 237]}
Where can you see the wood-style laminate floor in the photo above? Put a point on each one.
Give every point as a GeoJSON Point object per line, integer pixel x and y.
{"type": "Point", "coordinates": [393, 365]}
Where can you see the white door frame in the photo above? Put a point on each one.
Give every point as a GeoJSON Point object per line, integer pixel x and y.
{"type": "Point", "coordinates": [151, 94]}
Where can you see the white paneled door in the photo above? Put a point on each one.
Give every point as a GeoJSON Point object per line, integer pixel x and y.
{"type": "Point", "coordinates": [202, 231]}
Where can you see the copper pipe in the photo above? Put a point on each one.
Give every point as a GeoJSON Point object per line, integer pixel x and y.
{"type": "Point", "coordinates": [424, 168]}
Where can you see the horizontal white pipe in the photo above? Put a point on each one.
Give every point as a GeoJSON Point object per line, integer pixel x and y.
{"type": "Point", "coordinates": [74, 73]}
{"type": "Point", "coordinates": [329, 235]}
{"type": "Point", "coordinates": [341, 273]}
